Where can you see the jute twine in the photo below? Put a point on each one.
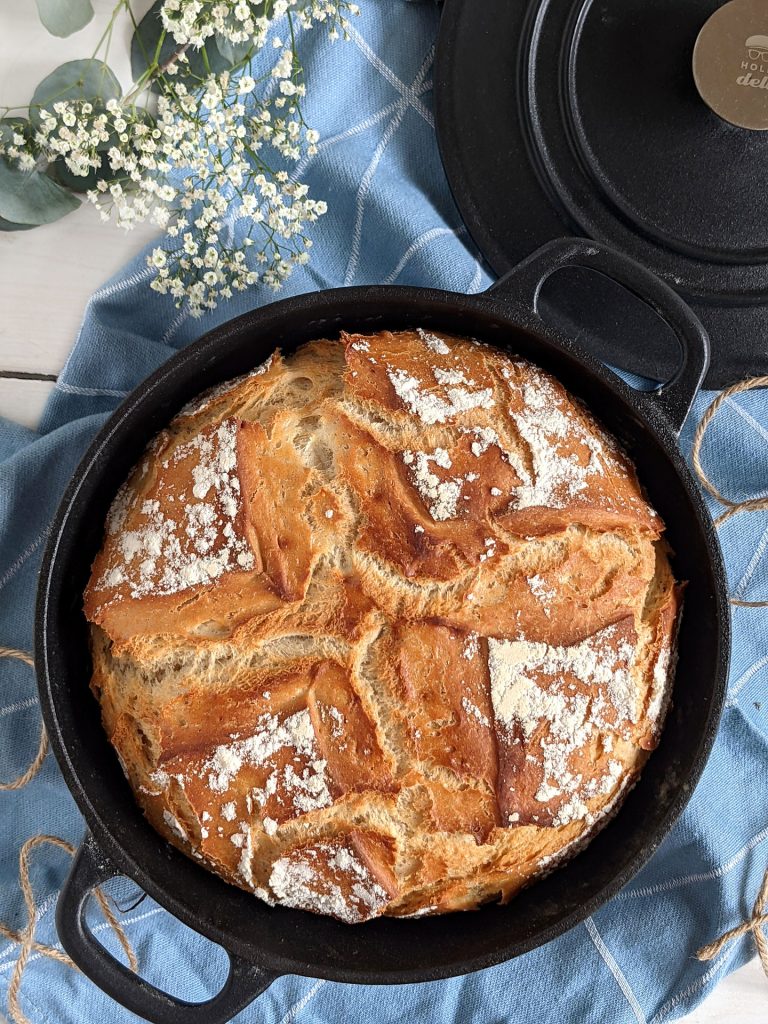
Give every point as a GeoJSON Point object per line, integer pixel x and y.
{"type": "Point", "coordinates": [732, 508]}
{"type": "Point", "coordinates": [42, 747]}
{"type": "Point", "coordinates": [755, 925]}
{"type": "Point", "coordinates": [25, 938]}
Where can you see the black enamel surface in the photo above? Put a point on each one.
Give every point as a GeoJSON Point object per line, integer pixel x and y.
{"type": "Point", "coordinates": [579, 116]}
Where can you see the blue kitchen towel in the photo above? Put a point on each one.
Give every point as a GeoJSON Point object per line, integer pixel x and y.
{"type": "Point", "coordinates": [391, 219]}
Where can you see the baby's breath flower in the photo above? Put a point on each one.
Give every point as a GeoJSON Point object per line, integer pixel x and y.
{"type": "Point", "coordinates": [202, 165]}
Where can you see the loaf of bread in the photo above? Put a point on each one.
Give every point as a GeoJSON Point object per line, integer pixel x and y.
{"type": "Point", "coordinates": [384, 627]}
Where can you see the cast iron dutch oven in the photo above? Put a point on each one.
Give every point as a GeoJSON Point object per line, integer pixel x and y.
{"type": "Point", "coordinates": [262, 942]}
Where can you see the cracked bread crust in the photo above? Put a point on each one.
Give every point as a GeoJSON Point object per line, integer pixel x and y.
{"type": "Point", "coordinates": [386, 626]}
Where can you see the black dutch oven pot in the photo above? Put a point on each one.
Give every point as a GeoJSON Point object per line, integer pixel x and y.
{"type": "Point", "coordinates": [263, 942]}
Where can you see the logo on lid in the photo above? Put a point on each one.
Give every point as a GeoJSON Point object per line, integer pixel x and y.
{"type": "Point", "coordinates": [730, 63]}
{"type": "Point", "coordinates": [756, 65]}
{"type": "Point", "coordinates": [757, 48]}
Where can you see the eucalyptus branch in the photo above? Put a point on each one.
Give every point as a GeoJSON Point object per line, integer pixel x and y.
{"type": "Point", "coordinates": [173, 59]}
{"type": "Point", "coordinates": [107, 33]}
{"type": "Point", "coordinates": [210, 164]}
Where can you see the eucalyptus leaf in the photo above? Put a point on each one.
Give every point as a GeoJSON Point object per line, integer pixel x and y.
{"type": "Point", "coordinates": [233, 53]}
{"type": "Point", "coordinates": [76, 80]}
{"type": "Point", "coordinates": [7, 225]}
{"type": "Point", "coordinates": [147, 48]}
{"type": "Point", "coordinates": [216, 63]}
{"type": "Point", "coordinates": [10, 126]}
{"type": "Point", "coordinates": [63, 17]}
{"type": "Point", "coordinates": [29, 197]}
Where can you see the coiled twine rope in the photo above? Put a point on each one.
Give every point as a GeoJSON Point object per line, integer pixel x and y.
{"type": "Point", "coordinates": [759, 917]}
{"type": "Point", "coordinates": [732, 508]}
{"type": "Point", "coordinates": [26, 937]}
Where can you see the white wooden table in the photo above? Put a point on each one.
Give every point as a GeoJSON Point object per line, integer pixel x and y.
{"type": "Point", "coordinates": [48, 274]}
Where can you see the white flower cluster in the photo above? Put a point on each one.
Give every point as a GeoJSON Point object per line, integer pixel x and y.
{"type": "Point", "coordinates": [76, 133]}
{"type": "Point", "coordinates": [201, 166]}
{"type": "Point", "coordinates": [194, 21]}
{"type": "Point", "coordinates": [19, 151]}
{"type": "Point", "coordinates": [241, 21]}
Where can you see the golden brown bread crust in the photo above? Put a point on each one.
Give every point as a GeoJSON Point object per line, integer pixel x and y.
{"type": "Point", "coordinates": [384, 627]}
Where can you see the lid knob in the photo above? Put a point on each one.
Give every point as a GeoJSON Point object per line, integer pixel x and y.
{"type": "Point", "coordinates": [730, 63]}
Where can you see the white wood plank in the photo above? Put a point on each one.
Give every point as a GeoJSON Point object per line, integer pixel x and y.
{"type": "Point", "coordinates": [742, 999]}
{"type": "Point", "coordinates": [23, 400]}
{"type": "Point", "coordinates": [47, 277]}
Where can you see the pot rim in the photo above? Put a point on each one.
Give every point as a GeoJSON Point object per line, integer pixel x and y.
{"type": "Point", "coordinates": [436, 302]}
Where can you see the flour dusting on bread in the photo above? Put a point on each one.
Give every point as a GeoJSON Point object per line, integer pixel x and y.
{"type": "Point", "coordinates": [383, 627]}
{"type": "Point", "coordinates": [193, 539]}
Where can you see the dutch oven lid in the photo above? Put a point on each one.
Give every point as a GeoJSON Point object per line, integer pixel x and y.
{"type": "Point", "coordinates": [623, 121]}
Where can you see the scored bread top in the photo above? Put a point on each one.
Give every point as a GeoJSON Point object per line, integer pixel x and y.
{"type": "Point", "coordinates": [383, 627]}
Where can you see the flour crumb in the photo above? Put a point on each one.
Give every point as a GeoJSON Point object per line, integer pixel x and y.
{"type": "Point", "coordinates": [433, 343]}
{"type": "Point", "coordinates": [431, 408]}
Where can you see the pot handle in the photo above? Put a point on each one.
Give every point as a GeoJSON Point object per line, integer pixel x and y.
{"type": "Point", "coordinates": [91, 867]}
{"type": "Point", "coordinates": [524, 283]}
